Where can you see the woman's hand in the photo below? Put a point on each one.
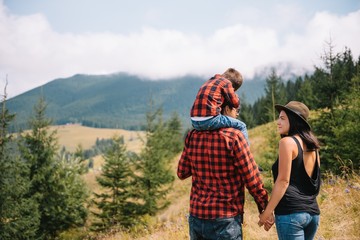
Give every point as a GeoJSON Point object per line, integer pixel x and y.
{"type": "Point", "coordinates": [266, 219]}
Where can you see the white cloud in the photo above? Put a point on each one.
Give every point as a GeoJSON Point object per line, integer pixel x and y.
{"type": "Point", "coordinates": [306, 49]}
{"type": "Point", "coordinates": [32, 53]}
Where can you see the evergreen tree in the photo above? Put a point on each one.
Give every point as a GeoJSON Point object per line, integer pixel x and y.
{"type": "Point", "coordinates": [117, 203]}
{"type": "Point", "coordinates": [346, 132]}
{"type": "Point", "coordinates": [270, 152]}
{"type": "Point", "coordinates": [344, 70]}
{"type": "Point", "coordinates": [19, 218]}
{"type": "Point", "coordinates": [291, 88]}
{"type": "Point", "coordinates": [335, 125]}
{"type": "Point", "coordinates": [174, 135]}
{"type": "Point", "coordinates": [339, 134]}
{"type": "Point", "coordinates": [305, 93]}
{"type": "Point", "coordinates": [274, 94]}
{"type": "Point", "coordinates": [154, 165]}
{"type": "Point", "coordinates": [259, 108]}
{"type": "Point", "coordinates": [247, 115]}
{"type": "Point", "coordinates": [332, 82]}
{"type": "Point", "coordinates": [56, 187]}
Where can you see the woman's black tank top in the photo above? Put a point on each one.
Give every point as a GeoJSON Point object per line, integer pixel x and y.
{"type": "Point", "coordinates": [301, 194]}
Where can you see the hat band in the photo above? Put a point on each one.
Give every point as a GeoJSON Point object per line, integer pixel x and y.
{"type": "Point", "coordinates": [298, 113]}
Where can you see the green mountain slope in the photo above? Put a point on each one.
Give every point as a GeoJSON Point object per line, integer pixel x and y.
{"type": "Point", "coordinates": [115, 101]}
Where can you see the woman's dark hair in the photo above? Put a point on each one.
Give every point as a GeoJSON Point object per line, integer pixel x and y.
{"type": "Point", "coordinates": [298, 126]}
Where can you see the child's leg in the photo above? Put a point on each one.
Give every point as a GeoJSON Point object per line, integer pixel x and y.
{"type": "Point", "coordinates": [209, 124]}
{"type": "Point", "coordinates": [222, 121]}
{"type": "Point", "coordinates": [203, 125]}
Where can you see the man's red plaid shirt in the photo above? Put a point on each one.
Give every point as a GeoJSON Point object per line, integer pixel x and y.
{"type": "Point", "coordinates": [221, 165]}
{"type": "Point", "coordinates": [211, 95]}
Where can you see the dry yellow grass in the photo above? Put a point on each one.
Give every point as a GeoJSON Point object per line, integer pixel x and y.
{"type": "Point", "coordinates": [339, 200]}
{"type": "Point", "coordinates": [71, 136]}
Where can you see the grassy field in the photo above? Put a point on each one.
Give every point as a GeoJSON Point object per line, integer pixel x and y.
{"type": "Point", "coordinates": [339, 199]}
{"type": "Point", "coordinates": [73, 135]}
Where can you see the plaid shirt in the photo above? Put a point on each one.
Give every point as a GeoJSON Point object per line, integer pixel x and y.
{"type": "Point", "coordinates": [211, 95]}
{"type": "Point", "coordinates": [221, 165]}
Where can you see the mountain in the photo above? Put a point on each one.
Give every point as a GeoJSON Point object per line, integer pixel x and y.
{"type": "Point", "coordinates": [117, 100]}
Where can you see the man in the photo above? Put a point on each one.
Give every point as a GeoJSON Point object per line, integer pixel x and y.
{"type": "Point", "coordinates": [221, 166]}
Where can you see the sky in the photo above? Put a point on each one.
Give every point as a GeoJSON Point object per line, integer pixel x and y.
{"type": "Point", "coordinates": [45, 40]}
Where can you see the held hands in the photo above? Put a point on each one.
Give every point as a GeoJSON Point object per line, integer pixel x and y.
{"type": "Point", "coordinates": [266, 219]}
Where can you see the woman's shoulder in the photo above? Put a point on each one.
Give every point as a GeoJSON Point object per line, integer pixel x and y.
{"type": "Point", "coordinates": [287, 142]}
{"type": "Point", "coordinates": [289, 146]}
{"type": "Point", "coordinates": [287, 139]}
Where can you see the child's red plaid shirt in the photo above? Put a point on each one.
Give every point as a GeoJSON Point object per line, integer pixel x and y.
{"type": "Point", "coordinates": [221, 165]}
{"type": "Point", "coordinates": [211, 95]}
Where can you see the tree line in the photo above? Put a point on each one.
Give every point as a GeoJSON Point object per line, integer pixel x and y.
{"type": "Point", "coordinates": [332, 93]}
{"type": "Point", "coordinates": [43, 195]}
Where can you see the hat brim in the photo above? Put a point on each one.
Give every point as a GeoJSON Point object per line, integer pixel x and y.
{"type": "Point", "coordinates": [279, 108]}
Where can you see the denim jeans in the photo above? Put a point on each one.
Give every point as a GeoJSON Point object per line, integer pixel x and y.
{"type": "Point", "coordinates": [219, 229]}
{"type": "Point", "coordinates": [221, 121]}
{"type": "Point", "coordinates": [297, 226]}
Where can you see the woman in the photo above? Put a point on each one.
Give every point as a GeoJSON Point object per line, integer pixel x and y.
{"type": "Point", "coordinates": [296, 175]}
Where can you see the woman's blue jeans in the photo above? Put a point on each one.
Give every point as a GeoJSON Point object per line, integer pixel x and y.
{"type": "Point", "coordinates": [220, 228]}
{"type": "Point", "coordinates": [297, 226]}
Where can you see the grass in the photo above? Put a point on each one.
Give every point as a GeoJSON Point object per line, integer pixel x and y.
{"type": "Point", "coordinates": [339, 201]}
{"type": "Point", "coordinates": [73, 135]}
{"type": "Point", "coordinates": [339, 198]}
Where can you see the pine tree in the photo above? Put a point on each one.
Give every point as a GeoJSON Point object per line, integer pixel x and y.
{"type": "Point", "coordinates": [56, 186]}
{"type": "Point", "coordinates": [247, 115]}
{"type": "Point", "coordinates": [347, 132]}
{"type": "Point", "coordinates": [339, 99]}
{"type": "Point", "coordinates": [305, 93]}
{"type": "Point", "coordinates": [274, 94]}
{"type": "Point", "coordinates": [117, 203]}
{"type": "Point", "coordinates": [339, 133]}
{"type": "Point", "coordinates": [174, 135]}
{"type": "Point", "coordinates": [270, 152]}
{"type": "Point", "coordinates": [332, 82]}
{"type": "Point", "coordinates": [156, 176]}
{"type": "Point", "coordinates": [19, 217]}
{"type": "Point", "coordinates": [258, 111]}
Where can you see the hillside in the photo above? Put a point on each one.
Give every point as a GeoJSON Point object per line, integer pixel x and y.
{"type": "Point", "coordinates": [338, 198]}
{"type": "Point", "coordinates": [115, 101]}
{"type": "Point", "coordinates": [72, 135]}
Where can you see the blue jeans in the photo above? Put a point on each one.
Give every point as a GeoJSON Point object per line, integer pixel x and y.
{"type": "Point", "coordinates": [221, 228]}
{"type": "Point", "coordinates": [297, 226]}
{"type": "Point", "coordinates": [221, 121]}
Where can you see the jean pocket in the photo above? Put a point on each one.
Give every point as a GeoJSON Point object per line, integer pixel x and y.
{"type": "Point", "coordinates": [229, 228]}
{"type": "Point", "coordinates": [299, 218]}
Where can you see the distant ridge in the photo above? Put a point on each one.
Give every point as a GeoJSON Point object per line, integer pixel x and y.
{"type": "Point", "coordinates": [115, 101]}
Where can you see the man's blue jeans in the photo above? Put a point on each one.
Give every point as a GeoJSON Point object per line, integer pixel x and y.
{"type": "Point", "coordinates": [221, 121]}
{"type": "Point", "coordinates": [221, 228]}
{"type": "Point", "coordinates": [297, 226]}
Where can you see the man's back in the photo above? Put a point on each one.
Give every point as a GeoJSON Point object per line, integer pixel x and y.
{"type": "Point", "coordinates": [221, 164]}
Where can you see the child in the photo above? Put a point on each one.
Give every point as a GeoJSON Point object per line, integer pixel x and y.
{"type": "Point", "coordinates": [206, 110]}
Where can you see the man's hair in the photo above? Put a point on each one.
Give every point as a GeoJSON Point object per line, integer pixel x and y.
{"type": "Point", "coordinates": [234, 77]}
{"type": "Point", "coordinates": [225, 103]}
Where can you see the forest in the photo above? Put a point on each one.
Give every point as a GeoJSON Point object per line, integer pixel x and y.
{"type": "Point", "coordinates": [42, 194]}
